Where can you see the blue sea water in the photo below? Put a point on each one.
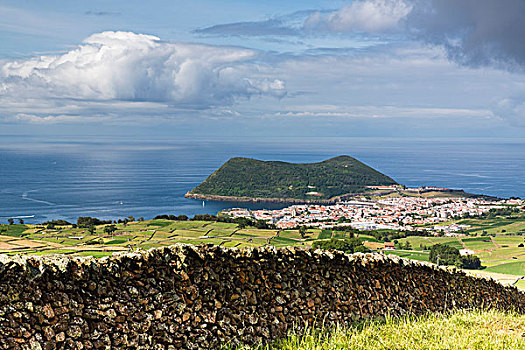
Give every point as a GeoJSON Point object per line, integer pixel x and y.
{"type": "Point", "coordinates": [113, 178]}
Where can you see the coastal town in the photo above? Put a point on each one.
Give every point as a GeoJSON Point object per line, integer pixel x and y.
{"type": "Point", "coordinates": [431, 214]}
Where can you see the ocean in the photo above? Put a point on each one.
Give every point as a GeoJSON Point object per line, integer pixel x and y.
{"type": "Point", "coordinates": [112, 178]}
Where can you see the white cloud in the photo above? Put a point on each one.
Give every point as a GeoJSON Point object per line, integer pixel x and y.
{"type": "Point", "coordinates": [361, 16]}
{"type": "Point", "coordinates": [50, 119]}
{"type": "Point", "coordinates": [384, 112]}
{"type": "Point", "coordinates": [123, 78]}
{"type": "Point", "coordinates": [512, 110]}
{"type": "Point", "coordinates": [124, 66]}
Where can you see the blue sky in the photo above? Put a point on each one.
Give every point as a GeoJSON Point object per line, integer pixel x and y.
{"type": "Point", "coordinates": [401, 68]}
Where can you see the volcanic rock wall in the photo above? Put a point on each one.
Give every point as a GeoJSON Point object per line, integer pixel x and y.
{"type": "Point", "coordinates": [201, 297]}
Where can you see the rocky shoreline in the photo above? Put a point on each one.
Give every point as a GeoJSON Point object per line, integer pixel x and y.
{"type": "Point", "coordinates": [260, 200]}
{"type": "Point", "coordinates": [334, 200]}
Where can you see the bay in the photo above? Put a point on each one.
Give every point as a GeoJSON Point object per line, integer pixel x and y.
{"type": "Point", "coordinates": [111, 178]}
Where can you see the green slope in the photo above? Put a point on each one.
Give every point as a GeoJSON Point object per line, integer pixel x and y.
{"type": "Point", "coordinates": [245, 177]}
{"type": "Point", "coordinates": [459, 330]}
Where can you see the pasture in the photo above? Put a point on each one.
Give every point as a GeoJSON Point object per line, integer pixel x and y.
{"type": "Point", "coordinates": [37, 239]}
{"type": "Point", "coordinates": [500, 254]}
{"type": "Point", "coordinates": [511, 268]}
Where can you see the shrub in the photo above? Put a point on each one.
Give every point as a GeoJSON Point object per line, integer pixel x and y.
{"type": "Point", "coordinates": [57, 223]}
{"type": "Point", "coordinates": [352, 245]}
{"type": "Point", "coordinates": [448, 255]}
{"type": "Point", "coordinates": [169, 217]}
{"type": "Point", "coordinates": [86, 222]}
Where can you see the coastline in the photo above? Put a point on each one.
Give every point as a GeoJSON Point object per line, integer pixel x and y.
{"type": "Point", "coordinates": [334, 200]}
{"type": "Point", "coordinates": [259, 200]}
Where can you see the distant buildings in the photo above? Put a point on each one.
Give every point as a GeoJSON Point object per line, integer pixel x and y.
{"type": "Point", "coordinates": [399, 213]}
{"type": "Point", "coordinates": [389, 246]}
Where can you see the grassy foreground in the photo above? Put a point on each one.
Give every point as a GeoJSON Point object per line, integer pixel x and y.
{"type": "Point", "coordinates": [481, 330]}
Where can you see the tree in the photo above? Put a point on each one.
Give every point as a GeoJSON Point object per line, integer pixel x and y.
{"type": "Point", "coordinates": [10, 221]}
{"type": "Point", "coordinates": [406, 245]}
{"type": "Point", "coordinates": [109, 229]}
{"type": "Point", "coordinates": [352, 245]}
{"type": "Point", "coordinates": [471, 262]}
{"type": "Point", "coordinates": [447, 255]}
{"type": "Point", "coordinates": [204, 217]}
{"type": "Point", "coordinates": [21, 221]}
{"type": "Point", "coordinates": [302, 231]}
{"type": "Point", "coordinates": [91, 230]}
{"type": "Point", "coordinates": [241, 225]}
{"type": "Point", "coordinates": [86, 222]}
{"type": "Point", "coordinates": [57, 222]}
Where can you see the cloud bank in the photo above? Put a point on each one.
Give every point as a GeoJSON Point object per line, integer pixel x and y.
{"type": "Point", "coordinates": [288, 25]}
{"type": "Point", "coordinates": [373, 16]}
{"type": "Point", "coordinates": [474, 32]}
{"type": "Point", "coordinates": [124, 66]}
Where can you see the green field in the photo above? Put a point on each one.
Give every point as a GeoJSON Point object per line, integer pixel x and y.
{"type": "Point", "coordinates": [13, 230]}
{"type": "Point", "coordinates": [37, 239]}
{"type": "Point", "coordinates": [500, 254]}
{"type": "Point", "coordinates": [460, 330]}
{"type": "Point", "coordinates": [494, 226]}
{"type": "Point", "coordinates": [410, 255]}
{"type": "Point", "coordinates": [418, 243]}
{"type": "Point", "coordinates": [512, 268]}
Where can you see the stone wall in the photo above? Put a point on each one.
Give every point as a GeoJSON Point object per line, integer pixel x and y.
{"type": "Point", "coordinates": [202, 297]}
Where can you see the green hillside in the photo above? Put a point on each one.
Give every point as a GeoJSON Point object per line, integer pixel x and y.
{"type": "Point", "coordinates": [459, 330]}
{"type": "Point", "coordinates": [245, 177]}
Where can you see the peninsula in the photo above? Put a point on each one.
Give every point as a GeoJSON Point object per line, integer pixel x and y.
{"type": "Point", "coordinates": [252, 180]}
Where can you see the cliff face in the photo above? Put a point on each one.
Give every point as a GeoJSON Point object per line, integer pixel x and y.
{"type": "Point", "coordinates": [201, 297]}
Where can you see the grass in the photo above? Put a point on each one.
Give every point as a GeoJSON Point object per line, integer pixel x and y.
{"type": "Point", "coordinates": [417, 241]}
{"type": "Point", "coordinates": [520, 284]}
{"type": "Point", "coordinates": [501, 255]}
{"type": "Point", "coordinates": [476, 239]}
{"type": "Point", "coordinates": [414, 255]}
{"type": "Point", "coordinates": [495, 225]}
{"type": "Point", "coordinates": [160, 223]}
{"type": "Point", "coordinates": [280, 241]}
{"type": "Point", "coordinates": [454, 244]}
{"type": "Point", "coordinates": [504, 257]}
{"type": "Point", "coordinates": [117, 241]}
{"type": "Point", "coordinates": [367, 238]}
{"type": "Point", "coordinates": [324, 234]}
{"type": "Point", "coordinates": [481, 330]}
{"type": "Point", "coordinates": [96, 254]}
{"type": "Point", "coordinates": [12, 230]}
{"type": "Point", "coordinates": [37, 239]}
{"type": "Point", "coordinates": [512, 268]}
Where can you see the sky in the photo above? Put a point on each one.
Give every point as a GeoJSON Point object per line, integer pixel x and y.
{"type": "Point", "coordinates": [362, 68]}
